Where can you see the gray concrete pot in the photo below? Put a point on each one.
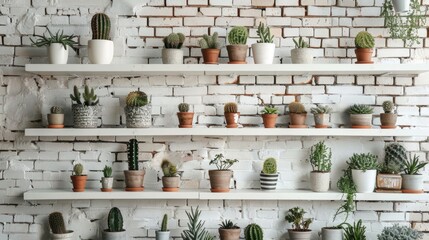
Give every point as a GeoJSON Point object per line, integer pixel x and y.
{"type": "Point", "coordinates": [63, 236]}
{"type": "Point", "coordinates": [302, 55]}
{"type": "Point", "coordinates": [361, 120]}
{"type": "Point", "coordinates": [319, 181]}
{"type": "Point", "coordinates": [299, 235]}
{"type": "Point", "coordinates": [332, 234]}
{"type": "Point", "coordinates": [162, 235]}
{"type": "Point", "coordinates": [85, 116]}
{"type": "Point", "coordinates": [172, 56]}
{"type": "Point", "coordinates": [412, 183]}
{"type": "Point", "coordinates": [138, 117]}
{"type": "Point", "coordinates": [106, 184]}
{"type": "Point", "coordinates": [321, 120]}
{"type": "Point", "coordinates": [114, 235]}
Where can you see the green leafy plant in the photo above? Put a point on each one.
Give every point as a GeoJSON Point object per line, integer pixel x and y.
{"type": "Point", "coordinates": [238, 35]}
{"type": "Point", "coordinates": [56, 222]}
{"type": "Point", "coordinates": [388, 107]}
{"type": "Point", "coordinates": [300, 43]}
{"type": "Point", "coordinates": [355, 232]}
{"type": "Point", "coordinates": [270, 166]}
{"type": "Point", "coordinates": [169, 169]}
{"type": "Point", "coordinates": [363, 161]}
{"type": "Point", "coordinates": [164, 223]}
{"type": "Point", "coordinates": [230, 107]}
{"type": "Point", "coordinates": [100, 25]}
{"type": "Point", "coordinates": [133, 154]}
{"type": "Point", "coordinates": [413, 166]}
{"type": "Point", "coordinates": [397, 232]}
{"type": "Point", "coordinates": [320, 109]}
{"type": "Point", "coordinates": [56, 110]}
{"type": "Point", "coordinates": [361, 109]}
{"type": "Point", "coordinates": [395, 156]}
{"type": "Point", "coordinates": [89, 97]}
{"type": "Point", "coordinates": [210, 42]}
{"type": "Point", "coordinates": [115, 221]}
{"type": "Point", "coordinates": [296, 107]}
{"type": "Point", "coordinates": [221, 163]}
{"type": "Point", "coordinates": [346, 185]}
{"type": "Point", "coordinates": [107, 172]}
{"type": "Point", "coordinates": [59, 37]}
{"type": "Point", "coordinates": [320, 157]}
{"type": "Point", "coordinates": [364, 40]}
{"type": "Point", "coordinates": [183, 107]}
{"type": "Point", "coordinates": [253, 232]}
{"type": "Point", "coordinates": [264, 34]}
{"type": "Point", "coordinates": [196, 230]}
{"type": "Point", "coordinates": [136, 99]}
{"type": "Point", "coordinates": [174, 41]}
{"type": "Point", "coordinates": [270, 109]}
{"type": "Point", "coordinates": [78, 169]}
{"type": "Point", "coordinates": [296, 217]}
{"type": "Point", "coordinates": [228, 224]}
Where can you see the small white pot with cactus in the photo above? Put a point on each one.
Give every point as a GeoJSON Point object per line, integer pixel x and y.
{"type": "Point", "coordinates": [172, 52]}
{"type": "Point", "coordinates": [364, 171]}
{"type": "Point", "coordinates": [56, 117]}
{"type": "Point", "coordinates": [100, 48]}
{"type": "Point", "coordinates": [388, 118]}
{"type": "Point", "coordinates": [302, 54]}
{"type": "Point", "coordinates": [269, 175]}
{"type": "Point", "coordinates": [263, 50]}
{"type": "Point", "coordinates": [320, 160]}
{"type": "Point", "coordinates": [163, 233]}
{"type": "Point", "coordinates": [107, 180]}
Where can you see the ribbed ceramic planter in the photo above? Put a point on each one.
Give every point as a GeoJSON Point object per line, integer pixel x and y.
{"type": "Point", "coordinates": [100, 51]}
{"type": "Point", "coordinates": [299, 235]}
{"type": "Point", "coordinates": [85, 116]}
{"type": "Point", "coordinates": [332, 234]}
{"type": "Point", "coordinates": [361, 120]}
{"type": "Point", "coordinates": [162, 235]}
{"type": "Point", "coordinates": [114, 235]}
{"type": "Point", "coordinates": [138, 117]}
{"type": "Point", "coordinates": [220, 180]}
{"type": "Point", "coordinates": [319, 181]}
{"type": "Point", "coordinates": [172, 56]}
{"type": "Point", "coordinates": [268, 181]}
{"type": "Point", "coordinates": [106, 184]}
{"type": "Point", "coordinates": [63, 236]}
{"type": "Point", "coordinates": [364, 180]}
{"type": "Point", "coordinates": [57, 54]}
{"type": "Point", "coordinates": [412, 183]}
{"type": "Point", "coordinates": [229, 234]}
{"type": "Point", "coordinates": [302, 55]}
{"type": "Point", "coordinates": [263, 53]}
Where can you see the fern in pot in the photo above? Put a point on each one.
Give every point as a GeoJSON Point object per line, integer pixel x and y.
{"type": "Point", "coordinates": [364, 171]}
{"type": "Point", "coordinates": [361, 116]}
{"type": "Point", "coordinates": [86, 112]}
{"type": "Point", "coordinates": [229, 230]}
{"type": "Point", "coordinates": [220, 178]}
{"type": "Point", "coordinates": [388, 178]}
{"type": "Point", "coordinates": [172, 52]}
{"type": "Point", "coordinates": [263, 50]}
{"type": "Point", "coordinates": [365, 43]}
{"type": "Point", "coordinates": [321, 116]}
{"type": "Point", "coordinates": [300, 226]}
{"type": "Point", "coordinates": [58, 46]}
{"type": "Point", "coordinates": [138, 110]}
{"type": "Point", "coordinates": [320, 160]}
{"type": "Point", "coordinates": [302, 54]}
{"type": "Point", "coordinates": [397, 232]}
{"type": "Point", "coordinates": [389, 117]}
{"type": "Point", "coordinates": [115, 226]}
{"type": "Point", "coordinates": [269, 175]}
{"type": "Point", "coordinates": [412, 179]}
{"type": "Point", "coordinates": [237, 48]}
{"type": "Point", "coordinates": [163, 233]}
{"type": "Point", "coordinates": [210, 48]}
{"type": "Point", "coordinates": [100, 48]}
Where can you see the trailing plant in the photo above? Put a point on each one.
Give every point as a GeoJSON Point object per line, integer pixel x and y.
{"type": "Point", "coordinates": [363, 161]}
{"type": "Point", "coordinates": [89, 97]}
{"type": "Point", "coordinates": [56, 222]}
{"type": "Point", "coordinates": [183, 107]}
{"type": "Point", "coordinates": [320, 109]}
{"type": "Point", "coordinates": [107, 172]}
{"type": "Point", "coordinates": [77, 169]}
{"type": "Point", "coordinates": [221, 163]}
{"type": "Point", "coordinates": [133, 154]}
{"type": "Point", "coordinates": [355, 232]}
{"type": "Point", "coordinates": [364, 40]}
{"type": "Point", "coordinates": [264, 34]}
{"type": "Point", "coordinates": [164, 223]}
{"type": "Point", "coordinates": [296, 217]}
{"type": "Point", "coordinates": [270, 109]}
{"type": "Point", "coordinates": [100, 25]}
{"type": "Point", "coordinates": [238, 35]}
{"type": "Point", "coordinates": [169, 169]}
{"type": "Point", "coordinates": [174, 41]}
{"type": "Point", "coordinates": [137, 99]}
{"type": "Point", "coordinates": [56, 110]}
{"type": "Point", "coordinates": [361, 109]}
{"type": "Point", "coordinates": [65, 40]}
{"type": "Point", "coordinates": [196, 230]}
{"type": "Point", "coordinates": [388, 107]}
{"type": "Point", "coordinates": [115, 221]}
{"type": "Point", "coordinates": [346, 185]}
{"type": "Point", "coordinates": [296, 107]}
{"type": "Point", "coordinates": [210, 42]}
{"type": "Point", "coordinates": [230, 107]}
{"type": "Point", "coordinates": [270, 166]}
{"type": "Point", "coordinates": [253, 232]}
{"type": "Point", "coordinates": [397, 232]}
{"type": "Point", "coordinates": [300, 43]}
{"type": "Point", "coordinates": [395, 156]}
{"type": "Point", "coordinates": [413, 166]}
{"type": "Point", "coordinates": [228, 224]}
{"type": "Point", "coordinates": [320, 157]}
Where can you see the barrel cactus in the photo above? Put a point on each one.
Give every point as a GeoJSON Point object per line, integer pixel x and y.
{"type": "Point", "coordinates": [78, 169]}
{"type": "Point", "coordinates": [253, 232]}
{"type": "Point", "coordinates": [56, 110]}
{"type": "Point", "coordinates": [115, 221]}
{"type": "Point", "coordinates": [100, 25]}
{"type": "Point", "coordinates": [56, 222]}
{"type": "Point", "coordinates": [395, 157]}
{"type": "Point", "coordinates": [136, 99]}
{"type": "Point", "coordinates": [238, 35]}
{"type": "Point", "coordinates": [183, 107]}
{"type": "Point", "coordinates": [296, 107]}
{"type": "Point", "coordinates": [388, 107]}
{"type": "Point", "coordinates": [231, 107]}
{"type": "Point", "coordinates": [174, 40]}
{"type": "Point", "coordinates": [270, 166]}
{"type": "Point", "coordinates": [364, 40]}
{"type": "Point", "coordinates": [133, 154]}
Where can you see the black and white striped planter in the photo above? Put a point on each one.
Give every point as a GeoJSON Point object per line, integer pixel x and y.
{"type": "Point", "coordinates": [269, 181]}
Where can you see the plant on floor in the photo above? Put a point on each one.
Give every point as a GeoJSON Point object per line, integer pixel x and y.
{"type": "Point", "coordinates": [100, 25]}
{"type": "Point", "coordinates": [388, 107]}
{"type": "Point", "coordinates": [320, 109]}
{"type": "Point", "coordinates": [210, 42]}
{"type": "Point", "coordinates": [115, 222]}
{"type": "Point", "coordinates": [174, 41]}
{"type": "Point", "coordinates": [137, 99]}
{"type": "Point", "coordinates": [300, 43]}
{"type": "Point", "coordinates": [264, 34]}
{"type": "Point", "coordinates": [270, 166]}
{"type": "Point", "coordinates": [397, 232]}
{"type": "Point", "coordinates": [395, 156]}
{"type": "Point", "coordinates": [320, 157]}
{"type": "Point", "coordinates": [296, 217]}
{"type": "Point", "coordinates": [363, 161]}
{"type": "Point", "coordinates": [361, 109]}
{"type": "Point", "coordinates": [59, 37]}
{"type": "Point", "coordinates": [270, 109]}
{"type": "Point", "coordinates": [56, 222]}
{"type": "Point", "coordinates": [231, 107]}
{"type": "Point", "coordinates": [364, 40]}
{"type": "Point", "coordinates": [355, 232]}
{"type": "Point", "coordinates": [253, 232]}
{"type": "Point", "coordinates": [78, 170]}
{"type": "Point", "coordinates": [222, 163]}
{"type": "Point", "coordinates": [196, 230]}
{"type": "Point", "coordinates": [89, 96]}
{"type": "Point", "coordinates": [238, 35]}
{"type": "Point", "coordinates": [296, 107]}
{"type": "Point", "coordinates": [164, 223]}
{"type": "Point", "coordinates": [413, 166]}
{"type": "Point", "coordinates": [183, 107]}
{"type": "Point", "coordinates": [107, 171]}
{"type": "Point", "coordinates": [168, 168]}
{"type": "Point", "coordinates": [228, 224]}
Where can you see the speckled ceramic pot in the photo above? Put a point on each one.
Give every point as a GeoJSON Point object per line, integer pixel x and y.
{"type": "Point", "coordinates": [138, 117]}
{"type": "Point", "coordinates": [85, 116]}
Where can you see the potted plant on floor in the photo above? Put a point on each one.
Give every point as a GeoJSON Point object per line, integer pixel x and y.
{"type": "Point", "coordinates": [210, 48]}
{"type": "Point", "coordinates": [263, 50]}
{"type": "Point", "coordinates": [300, 227]}
{"type": "Point", "coordinates": [58, 228]}
{"type": "Point", "coordinates": [388, 178]}
{"type": "Point", "coordinates": [229, 230]}
{"type": "Point", "coordinates": [389, 117]}
{"type": "Point", "coordinates": [196, 230]}
{"type": "Point", "coordinates": [115, 226]}
{"type": "Point", "coordinates": [58, 46]}
{"type": "Point", "coordinates": [269, 116]}
{"type": "Point", "coordinates": [297, 115]}
{"type": "Point", "coordinates": [85, 114]}
{"type": "Point", "coordinates": [138, 110]}
{"type": "Point", "coordinates": [357, 231]}
{"type": "Point", "coordinates": [321, 116]}
{"type": "Point", "coordinates": [185, 116]}
{"type": "Point", "coordinates": [364, 171]}
{"type": "Point", "coordinates": [100, 48]}
{"type": "Point", "coordinates": [231, 115]}
{"type": "Point", "coordinates": [361, 116]}
{"type": "Point", "coordinates": [221, 177]}
{"type": "Point", "coordinates": [172, 52]}
{"type": "Point", "coordinates": [412, 180]}
{"type": "Point", "coordinates": [56, 117]}
{"type": "Point", "coordinates": [269, 175]}
{"type": "Point", "coordinates": [364, 42]}
{"type": "Point", "coordinates": [78, 178]}
{"type": "Point", "coordinates": [320, 160]}
{"type": "Point", "coordinates": [237, 48]}
{"type": "Point", "coordinates": [164, 233]}
{"type": "Point", "coordinates": [107, 179]}
{"type": "Point", "coordinates": [397, 232]}
{"type": "Point", "coordinates": [253, 232]}
{"type": "Point", "coordinates": [302, 54]}
{"type": "Point", "coordinates": [170, 180]}
{"type": "Point", "coordinates": [134, 177]}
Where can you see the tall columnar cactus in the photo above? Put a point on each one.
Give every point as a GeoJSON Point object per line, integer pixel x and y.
{"type": "Point", "coordinates": [388, 107]}
{"type": "Point", "coordinates": [270, 166]}
{"type": "Point", "coordinates": [296, 107]}
{"type": "Point", "coordinates": [238, 35]}
{"type": "Point", "coordinates": [364, 40]}
{"type": "Point", "coordinates": [133, 154]}
{"type": "Point", "coordinates": [115, 221]}
{"type": "Point", "coordinates": [253, 232]}
{"type": "Point", "coordinates": [395, 156]}
{"type": "Point", "coordinates": [183, 107]}
{"type": "Point", "coordinates": [210, 42]}
{"type": "Point", "coordinates": [164, 223]}
{"type": "Point", "coordinates": [78, 169]}
{"type": "Point", "coordinates": [174, 40]}
{"type": "Point", "coordinates": [56, 222]}
{"type": "Point", "coordinates": [136, 99]}
{"type": "Point", "coordinates": [264, 34]}
{"type": "Point", "coordinates": [230, 107]}
{"type": "Point", "coordinates": [89, 96]}
{"type": "Point", "coordinates": [56, 110]}
{"type": "Point", "coordinates": [100, 25]}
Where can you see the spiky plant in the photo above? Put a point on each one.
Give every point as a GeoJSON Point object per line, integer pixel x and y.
{"type": "Point", "coordinates": [133, 154]}
{"type": "Point", "coordinates": [264, 34]}
{"type": "Point", "coordinates": [397, 232]}
{"type": "Point", "coordinates": [361, 109]}
{"type": "Point", "coordinates": [388, 107]}
{"type": "Point", "coordinates": [59, 37]}
{"type": "Point", "coordinates": [196, 230]}
{"type": "Point", "coordinates": [89, 96]}
{"type": "Point", "coordinates": [100, 25]}
{"type": "Point", "coordinates": [56, 222]}
{"type": "Point", "coordinates": [183, 107]}
{"type": "Point", "coordinates": [164, 223]}
{"type": "Point", "coordinates": [363, 161]}
{"type": "Point", "coordinates": [230, 107]}
{"type": "Point", "coordinates": [320, 109]}
{"type": "Point", "coordinates": [137, 99]}
{"type": "Point", "coordinates": [270, 166]}
{"type": "Point", "coordinates": [210, 42]}
{"type": "Point", "coordinates": [228, 224]}
{"type": "Point", "coordinates": [364, 40]}
{"type": "Point", "coordinates": [77, 169]}
{"type": "Point", "coordinates": [238, 35]}
{"type": "Point", "coordinates": [56, 110]}
{"type": "Point", "coordinates": [270, 109]}
{"type": "Point", "coordinates": [169, 169]}
{"type": "Point", "coordinates": [395, 156]}
{"type": "Point", "coordinates": [300, 43]}
{"type": "Point", "coordinates": [115, 222]}
{"type": "Point", "coordinates": [174, 41]}
{"type": "Point", "coordinates": [320, 157]}
{"type": "Point", "coordinates": [253, 232]}
{"type": "Point", "coordinates": [413, 166]}
{"type": "Point", "coordinates": [296, 107]}
{"type": "Point", "coordinates": [221, 162]}
{"type": "Point", "coordinates": [355, 232]}
{"type": "Point", "coordinates": [107, 171]}
{"type": "Point", "coordinates": [296, 217]}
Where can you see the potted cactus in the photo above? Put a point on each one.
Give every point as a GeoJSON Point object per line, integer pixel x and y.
{"type": "Point", "coordinates": [237, 48]}
{"type": "Point", "coordinates": [231, 115]}
{"type": "Point", "coordinates": [221, 177]}
{"type": "Point", "coordinates": [138, 110]}
{"type": "Point", "coordinates": [412, 180]}
{"type": "Point", "coordinates": [163, 233]}
{"type": "Point", "coordinates": [56, 117]}
{"type": "Point", "coordinates": [196, 230]}
{"type": "Point", "coordinates": [397, 232]}
{"type": "Point", "coordinates": [229, 230]}
{"type": "Point", "coordinates": [253, 232]}
{"type": "Point", "coordinates": [389, 117]}
{"type": "Point", "coordinates": [78, 178]}
{"type": "Point", "coordinates": [134, 177]}
{"type": "Point", "coordinates": [361, 116]}
{"type": "Point", "coordinates": [388, 178]}
{"type": "Point", "coordinates": [100, 48]}
{"type": "Point", "coordinates": [115, 226]}
{"type": "Point", "coordinates": [263, 50]}
{"type": "Point", "coordinates": [364, 42]}
{"type": "Point", "coordinates": [301, 54]}
{"type": "Point", "coordinates": [58, 228]}
{"type": "Point", "coordinates": [85, 114]}
{"type": "Point", "coordinates": [170, 180]}
{"type": "Point", "coordinates": [300, 227]}
{"type": "Point", "coordinates": [320, 160]}
{"type": "Point", "coordinates": [172, 52]}
{"type": "Point", "coordinates": [269, 116]}
{"type": "Point", "coordinates": [297, 115]}
{"type": "Point", "coordinates": [269, 175]}
{"type": "Point", "coordinates": [185, 116]}
{"type": "Point", "coordinates": [210, 48]}
{"type": "Point", "coordinates": [58, 46]}
{"type": "Point", "coordinates": [321, 116]}
{"type": "Point", "coordinates": [364, 171]}
{"type": "Point", "coordinates": [107, 179]}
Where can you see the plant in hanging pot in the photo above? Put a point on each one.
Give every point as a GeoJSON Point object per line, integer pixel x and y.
{"type": "Point", "coordinates": [56, 117]}
{"type": "Point", "coordinates": [300, 227]}
{"type": "Point", "coordinates": [364, 42]}
{"type": "Point", "coordinates": [301, 54]}
{"type": "Point", "coordinates": [361, 116]}
{"type": "Point", "coordinates": [107, 179]}
{"type": "Point", "coordinates": [138, 110]}
{"type": "Point", "coordinates": [263, 50]}
{"type": "Point", "coordinates": [231, 115]}
{"type": "Point", "coordinates": [412, 180]}
{"type": "Point", "coordinates": [388, 178]}
{"type": "Point", "coordinates": [78, 179]}
{"type": "Point", "coordinates": [57, 45]}
{"type": "Point", "coordinates": [100, 48]}
{"type": "Point", "coordinates": [389, 117]}
{"type": "Point", "coordinates": [58, 228]}
{"type": "Point", "coordinates": [172, 52]}
{"type": "Point", "coordinates": [85, 114]}
{"type": "Point", "coordinates": [269, 116]}
{"type": "Point", "coordinates": [220, 179]}
{"type": "Point", "coordinates": [237, 48]}
{"type": "Point", "coordinates": [163, 233]}
{"type": "Point", "coordinates": [297, 115]}
{"type": "Point", "coordinates": [134, 177]}
{"type": "Point", "coordinates": [355, 231]}
{"type": "Point", "coordinates": [269, 175]}
{"type": "Point", "coordinates": [196, 230]}
{"type": "Point", "coordinates": [364, 171]}
{"type": "Point", "coordinates": [115, 226]}
{"type": "Point", "coordinates": [321, 116]}
{"type": "Point", "coordinates": [210, 48]}
{"type": "Point", "coordinates": [320, 160]}
{"type": "Point", "coordinates": [397, 232]}
{"type": "Point", "coordinates": [185, 116]}
{"type": "Point", "coordinates": [253, 232]}
{"type": "Point", "coordinates": [229, 230]}
{"type": "Point", "coordinates": [170, 180]}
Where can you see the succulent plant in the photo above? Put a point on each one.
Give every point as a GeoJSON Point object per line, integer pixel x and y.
{"type": "Point", "coordinates": [174, 40]}
{"type": "Point", "coordinates": [230, 107]}
{"type": "Point", "coordinates": [363, 161]}
{"type": "Point", "coordinates": [320, 157]}
{"type": "Point", "coordinates": [388, 107]}
{"type": "Point", "coordinates": [78, 169]}
{"type": "Point", "coordinates": [196, 230]}
{"type": "Point", "coordinates": [253, 232]}
{"type": "Point", "coordinates": [296, 217]}
{"type": "Point", "coordinates": [397, 232]}
{"type": "Point", "coordinates": [364, 40]}
{"type": "Point", "coordinates": [270, 109]}
{"type": "Point", "coordinates": [300, 43]}
{"type": "Point", "coordinates": [413, 166]}
{"type": "Point", "coordinates": [137, 99]}
{"type": "Point", "coordinates": [264, 34]}
{"type": "Point", "coordinates": [357, 231]}
{"type": "Point", "coordinates": [361, 109]}
{"type": "Point", "coordinates": [296, 107]}
{"type": "Point", "coordinates": [395, 156]}
{"type": "Point", "coordinates": [222, 163]}
{"type": "Point", "coordinates": [65, 40]}
{"type": "Point", "coordinates": [238, 35]}
{"type": "Point", "coordinates": [228, 224]}
{"type": "Point", "coordinates": [107, 171]}
{"type": "Point", "coordinates": [320, 109]}
{"type": "Point", "coordinates": [100, 25]}
{"type": "Point", "coordinates": [89, 97]}
{"type": "Point", "coordinates": [183, 107]}
{"type": "Point", "coordinates": [133, 154]}
{"type": "Point", "coordinates": [164, 223]}
{"type": "Point", "coordinates": [169, 169]}
{"type": "Point", "coordinates": [270, 166]}
{"type": "Point", "coordinates": [115, 222]}
{"type": "Point", "coordinates": [210, 42]}
{"type": "Point", "coordinates": [56, 222]}
{"type": "Point", "coordinates": [56, 110]}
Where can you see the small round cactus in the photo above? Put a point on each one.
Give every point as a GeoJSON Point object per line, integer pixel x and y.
{"type": "Point", "coordinates": [253, 232]}
{"type": "Point", "coordinates": [238, 35]}
{"type": "Point", "coordinates": [78, 169]}
{"type": "Point", "coordinates": [270, 166]}
{"type": "Point", "coordinates": [231, 107]}
{"type": "Point", "coordinates": [296, 107]}
{"type": "Point", "coordinates": [136, 99]}
{"type": "Point", "coordinates": [174, 40]}
{"type": "Point", "coordinates": [388, 106]}
{"type": "Point", "coordinates": [183, 107]}
{"type": "Point", "coordinates": [364, 40]}
{"type": "Point", "coordinates": [56, 110]}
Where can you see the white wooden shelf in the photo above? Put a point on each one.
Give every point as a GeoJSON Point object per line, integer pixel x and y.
{"type": "Point", "coordinates": [248, 131]}
{"type": "Point", "coordinates": [225, 69]}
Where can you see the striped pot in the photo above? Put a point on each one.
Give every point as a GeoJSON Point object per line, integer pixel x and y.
{"type": "Point", "coordinates": [269, 181]}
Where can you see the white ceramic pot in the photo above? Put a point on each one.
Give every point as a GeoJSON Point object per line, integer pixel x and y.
{"type": "Point", "coordinates": [268, 181]}
{"type": "Point", "coordinates": [401, 6]}
{"type": "Point", "coordinates": [302, 55]}
{"type": "Point", "coordinates": [114, 235]}
{"type": "Point", "coordinates": [299, 235]}
{"type": "Point", "coordinates": [107, 183]}
{"type": "Point", "coordinates": [263, 53]}
{"type": "Point", "coordinates": [172, 56]}
{"type": "Point", "coordinates": [63, 236]}
{"type": "Point", "coordinates": [332, 234]}
{"type": "Point", "coordinates": [57, 54]}
{"type": "Point", "coordinates": [364, 180]}
{"type": "Point", "coordinates": [100, 51]}
{"type": "Point", "coordinates": [160, 235]}
{"type": "Point", "coordinates": [319, 181]}
{"type": "Point", "coordinates": [412, 183]}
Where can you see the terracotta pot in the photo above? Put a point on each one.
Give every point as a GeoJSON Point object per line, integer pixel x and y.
{"type": "Point", "coordinates": [297, 120]}
{"type": "Point", "coordinates": [210, 55]}
{"type": "Point", "coordinates": [361, 120]}
{"type": "Point", "coordinates": [388, 120]}
{"type": "Point", "coordinates": [237, 53]}
{"type": "Point", "coordinates": [299, 235]}
{"type": "Point", "coordinates": [134, 180]}
{"type": "Point", "coordinates": [412, 183]}
{"type": "Point", "coordinates": [220, 180]}
{"type": "Point", "coordinates": [185, 119]}
{"type": "Point", "coordinates": [269, 120]}
{"type": "Point", "coordinates": [232, 120]}
{"type": "Point", "coordinates": [364, 55]}
{"type": "Point", "coordinates": [229, 234]}
{"type": "Point", "coordinates": [170, 184]}
{"type": "Point", "coordinates": [79, 183]}
{"type": "Point", "coordinates": [389, 181]}
{"type": "Point", "coordinates": [56, 120]}
{"type": "Point", "coordinates": [321, 120]}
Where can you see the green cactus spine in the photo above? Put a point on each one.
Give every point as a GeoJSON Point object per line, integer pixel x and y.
{"type": "Point", "coordinates": [100, 25]}
{"type": "Point", "coordinates": [388, 106]}
{"type": "Point", "coordinates": [231, 107]}
{"type": "Point", "coordinates": [364, 40]}
{"type": "Point", "coordinates": [89, 96]}
{"type": "Point", "coordinates": [78, 169]}
{"type": "Point", "coordinates": [164, 223]}
{"type": "Point", "coordinates": [133, 155]}
{"type": "Point", "coordinates": [183, 107]}
{"type": "Point", "coordinates": [238, 35]}
{"type": "Point", "coordinates": [137, 99]}
{"type": "Point", "coordinates": [253, 232]}
{"type": "Point", "coordinates": [270, 166]}
{"type": "Point", "coordinates": [56, 222]}
{"type": "Point", "coordinates": [56, 110]}
{"type": "Point", "coordinates": [296, 107]}
{"type": "Point", "coordinates": [395, 157]}
{"type": "Point", "coordinates": [115, 221]}
{"type": "Point", "coordinates": [174, 40]}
